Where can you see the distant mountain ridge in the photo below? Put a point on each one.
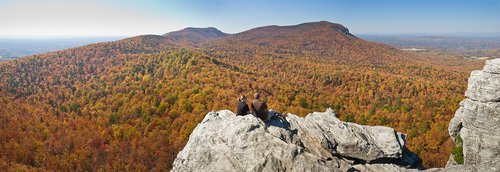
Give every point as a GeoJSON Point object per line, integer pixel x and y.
{"type": "Point", "coordinates": [195, 34]}
{"type": "Point", "coordinates": [321, 40]}
{"type": "Point", "coordinates": [304, 27]}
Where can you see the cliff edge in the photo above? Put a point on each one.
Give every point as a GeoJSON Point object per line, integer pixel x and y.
{"type": "Point", "coordinates": [317, 142]}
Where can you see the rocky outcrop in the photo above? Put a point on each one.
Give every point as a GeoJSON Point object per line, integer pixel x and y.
{"type": "Point", "coordinates": [477, 121]}
{"type": "Point", "coordinates": [317, 142]}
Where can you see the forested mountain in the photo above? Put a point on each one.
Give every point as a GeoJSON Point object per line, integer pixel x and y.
{"type": "Point", "coordinates": [195, 35]}
{"type": "Point", "coordinates": [317, 40]}
{"type": "Point", "coordinates": [131, 104]}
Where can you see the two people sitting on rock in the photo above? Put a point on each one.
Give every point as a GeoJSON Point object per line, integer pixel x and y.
{"type": "Point", "coordinates": [259, 108]}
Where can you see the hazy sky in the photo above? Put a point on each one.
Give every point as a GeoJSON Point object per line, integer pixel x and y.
{"type": "Point", "coordinates": [71, 18]}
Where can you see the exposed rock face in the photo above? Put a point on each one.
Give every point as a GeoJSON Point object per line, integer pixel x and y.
{"type": "Point", "coordinates": [477, 120]}
{"type": "Point", "coordinates": [318, 142]}
{"type": "Point", "coordinates": [322, 136]}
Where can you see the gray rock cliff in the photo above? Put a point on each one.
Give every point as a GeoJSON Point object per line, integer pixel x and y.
{"type": "Point", "coordinates": [317, 142]}
{"type": "Point", "coordinates": [477, 121]}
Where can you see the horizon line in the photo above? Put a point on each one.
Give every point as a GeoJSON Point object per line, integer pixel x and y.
{"type": "Point", "coordinates": [47, 37]}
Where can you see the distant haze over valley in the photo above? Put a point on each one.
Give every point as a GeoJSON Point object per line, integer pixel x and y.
{"type": "Point", "coordinates": [11, 48]}
{"type": "Point", "coordinates": [443, 41]}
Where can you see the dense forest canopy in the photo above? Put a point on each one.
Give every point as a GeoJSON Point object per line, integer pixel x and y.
{"type": "Point", "coordinates": [131, 104]}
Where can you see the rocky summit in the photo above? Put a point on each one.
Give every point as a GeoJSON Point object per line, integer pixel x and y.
{"type": "Point", "coordinates": [476, 124]}
{"type": "Point", "coordinates": [317, 142]}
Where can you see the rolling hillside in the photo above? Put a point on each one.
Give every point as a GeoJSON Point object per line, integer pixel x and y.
{"type": "Point", "coordinates": [131, 104]}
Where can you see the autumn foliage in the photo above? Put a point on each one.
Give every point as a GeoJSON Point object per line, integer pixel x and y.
{"type": "Point", "coordinates": [131, 104]}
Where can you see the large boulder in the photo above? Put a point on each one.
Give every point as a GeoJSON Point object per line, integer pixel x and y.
{"type": "Point", "coordinates": [318, 142]}
{"type": "Point", "coordinates": [323, 134]}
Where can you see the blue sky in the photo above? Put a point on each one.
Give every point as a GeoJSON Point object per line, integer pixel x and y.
{"type": "Point", "coordinates": [46, 18]}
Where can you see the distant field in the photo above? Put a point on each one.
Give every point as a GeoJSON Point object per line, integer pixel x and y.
{"type": "Point", "coordinates": [14, 48]}
{"type": "Point", "coordinates": [467, 46]}
{"type": "Point", "coordinates": [445, 42]}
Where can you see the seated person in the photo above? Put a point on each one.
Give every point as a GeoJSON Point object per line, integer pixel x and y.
{"type": "Point", "coordinates": [259, 108]}
{"type": "Point", "coordinates": [242, 106]}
